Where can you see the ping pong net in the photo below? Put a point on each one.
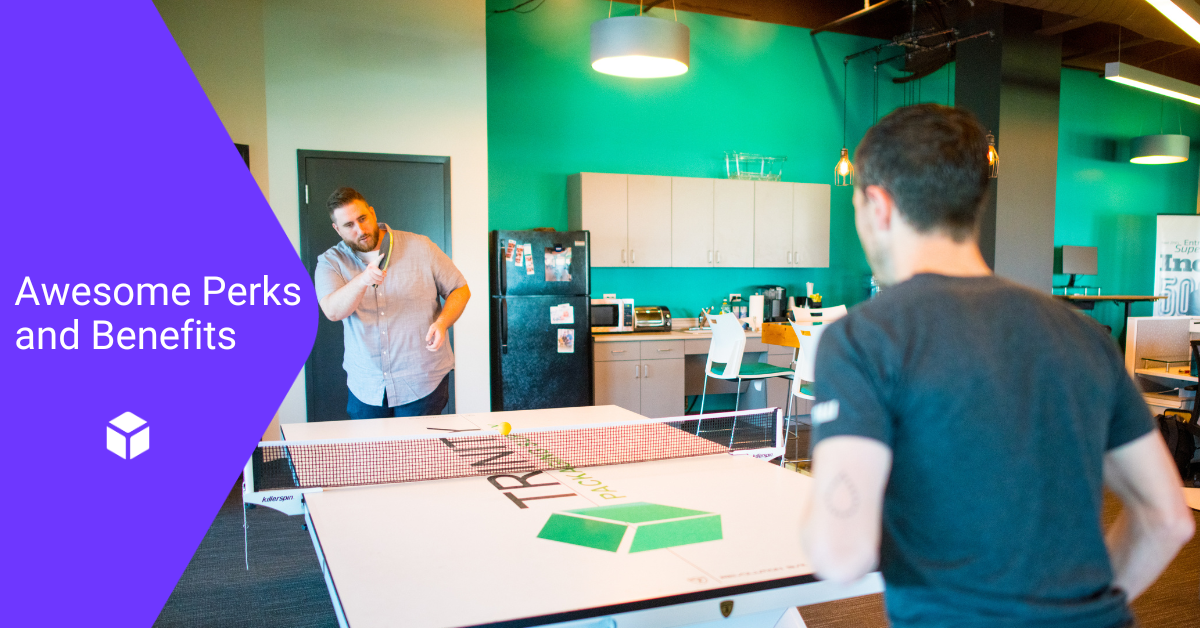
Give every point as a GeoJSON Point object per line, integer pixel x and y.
{"type": "Point", "coordinates": [282, 465]}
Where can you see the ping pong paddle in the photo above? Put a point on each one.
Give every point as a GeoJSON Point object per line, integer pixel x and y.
{"type": "Point", "coordinates": [385, 250]}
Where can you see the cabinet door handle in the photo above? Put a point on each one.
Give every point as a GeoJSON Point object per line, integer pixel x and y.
{"type": "Point", "coordinates": [666, 350]}
{"type": "Point", "coordinates": [622, 256]}
{"type": "Point", "coordinates": [718, 257]}
{"type": "Point", "coordinates": [632, 256]}
{"type": "Point", "coordinates": [635, 371]}
{"type": "Point", "coordinates": [616, 351]}
{"type": "Point", "coordinates": [645, 370]}
{"type": "Point", "coordinates": [710, 257]}
{"type": "Point", "coordinates": [796, 257]}
{"type": "Point", "coordinates": [789, 257]}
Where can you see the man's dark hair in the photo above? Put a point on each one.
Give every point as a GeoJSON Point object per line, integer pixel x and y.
{"type": "Point", "coordinates": [341, 197]}
{"type": "Point", "coordinates": [933, 161]}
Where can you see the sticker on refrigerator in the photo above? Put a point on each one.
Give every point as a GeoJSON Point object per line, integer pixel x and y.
{"type": "Point", "coordinates": [518, 255]}
{"type": "Point", "coordinates": [566, 341]}
{"type": "Point", "coordinates": [558, 264]}
{"type": "Point", "coordinates": [528, 259]}
{"type": "Point", "coordinates": [562, 314]}
{"type": "Point", "coordinates": [580, 243]}
{"type": "Point", "coordinates": [508, 250]}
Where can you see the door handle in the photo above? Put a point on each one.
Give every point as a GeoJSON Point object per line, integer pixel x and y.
{"type": "Point", "coordinates": [635, 371]}
{"type": "Point", "coordinates": [718, 257]}
{"type": "Point", "coordinates": [503, 326]}
{"type": "Point", "coordinates": [710, 257]}
{"type": "Point", "coordinates": [615, 351]}
{"type": "Point", "coordinates": [632, 256]}
{"type": "Point", "coordinates": [789, 257]}
{"type": "Point", "coordinates": [622, 256]}
{"type": "Point", "coordinates": [645, 370]}
{"type": "Point", "coordinates": [796, 257]}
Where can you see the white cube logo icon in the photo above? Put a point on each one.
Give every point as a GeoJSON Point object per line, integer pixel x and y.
{"type": "Point", "coordinates": [128, 432]}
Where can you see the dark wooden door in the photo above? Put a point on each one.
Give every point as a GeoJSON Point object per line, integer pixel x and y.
{"type": "Point", "coordinates": [409, 193]}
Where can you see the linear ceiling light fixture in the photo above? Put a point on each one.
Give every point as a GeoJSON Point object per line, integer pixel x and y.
{"type": "Point", "coordinates": [640, 46]}
{"type": "Point", "coordinates": [1150, 81]}
{"type": "Point", "coordinates": [1185, 14]}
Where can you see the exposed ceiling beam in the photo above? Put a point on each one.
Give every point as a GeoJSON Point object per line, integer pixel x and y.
{"type": "Point", "coordinates": [651, 5]}
{"type": "Point", "coordinates": [1064, 26]}
{"type": "Point", "coordinates": [1114, 48]}
{"type": "Point", "coordinates": [853, 16]}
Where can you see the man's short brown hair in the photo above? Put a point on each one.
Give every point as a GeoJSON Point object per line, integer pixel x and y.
{"type": "Point", "coordinates": [342, 197]}
{"type": "Point", "coordinates": [932, 159]}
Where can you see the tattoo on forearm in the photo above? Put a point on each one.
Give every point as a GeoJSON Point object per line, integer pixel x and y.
{"type": "Point", "coordinates": [842, 497]}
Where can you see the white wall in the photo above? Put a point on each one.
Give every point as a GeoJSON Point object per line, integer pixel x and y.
{"type": "Point", "coordinates": [222, 41]}
{"type": "Point", "coordinates": [383, 76]}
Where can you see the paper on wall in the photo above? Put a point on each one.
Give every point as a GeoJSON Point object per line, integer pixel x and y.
{"type": "Point", "coordinates": [528, 259]}
{"type": "Point", "coordinates": [519, 256]}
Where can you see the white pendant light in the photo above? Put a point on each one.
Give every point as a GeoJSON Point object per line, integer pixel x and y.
{"type": "Point", "coordinates": [1159, 149]}
{"type": "Point", "coordinates": [640, 47]}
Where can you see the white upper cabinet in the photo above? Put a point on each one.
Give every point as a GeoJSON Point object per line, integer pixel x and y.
{"type": "Point", "coordinates": [649, 221]}
{"type": "Point", "coordinates": [810, 225]}
{"type": "Point", "coordinates": [599, 203]}
{"type": "Point", "coordinates": [772, 224]}
{"type": "Point", "coordinates": [640, 220]}
{"type": "Point", "coordinates": [733, 223]}
{"type": "Point", "coordinates": [692, 222]}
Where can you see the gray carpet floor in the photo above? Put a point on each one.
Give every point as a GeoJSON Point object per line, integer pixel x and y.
{"type": "Point", "coordinates": [284, 587]}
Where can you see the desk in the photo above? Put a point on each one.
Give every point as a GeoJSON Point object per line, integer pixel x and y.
{"type": "Point", "coordinates": [1079, 300]}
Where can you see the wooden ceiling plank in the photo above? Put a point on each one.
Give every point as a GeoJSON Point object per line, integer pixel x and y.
{"type": "Point", "coordinates": [1064, 26]}
{"type": "Point", "coordinates": [853, 16]}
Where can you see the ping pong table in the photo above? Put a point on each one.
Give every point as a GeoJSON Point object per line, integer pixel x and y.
{"type": "Point", "coordinates": [550, 537]}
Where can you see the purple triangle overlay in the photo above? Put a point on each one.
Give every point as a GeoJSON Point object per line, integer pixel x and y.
{"type": "Point", "coordinates": [117, 170]}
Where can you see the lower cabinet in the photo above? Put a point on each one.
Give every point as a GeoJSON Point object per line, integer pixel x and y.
{"type": "Point", "coordinates": [651, 386]}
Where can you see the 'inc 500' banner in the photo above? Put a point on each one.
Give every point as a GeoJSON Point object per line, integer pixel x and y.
{"type": "Point", "coordinates": [1177, 266]}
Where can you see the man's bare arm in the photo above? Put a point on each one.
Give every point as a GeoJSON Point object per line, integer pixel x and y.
{"type": "Point", "coordinates": [342, 302]}
{"type": "Point", "coordinates": [842, 522]}
{"type": "Point", "coordinates": [1155, 522]}
{"type": "Point", "coordinates": [438, 332]}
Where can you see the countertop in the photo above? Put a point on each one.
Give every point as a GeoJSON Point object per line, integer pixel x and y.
{"type": "Point", "coordinates": [662, 335]}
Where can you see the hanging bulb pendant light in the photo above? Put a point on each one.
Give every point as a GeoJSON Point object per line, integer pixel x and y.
{"type": "Point", "coordinates": [843, 172]}
{"type": "Point", "coordinates": [993, 157]}
{"type": "Point", "coordinates": [640, 46]}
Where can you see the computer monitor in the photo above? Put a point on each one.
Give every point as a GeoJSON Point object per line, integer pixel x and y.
{"type": "Point", "coordinates": [1078, 260]}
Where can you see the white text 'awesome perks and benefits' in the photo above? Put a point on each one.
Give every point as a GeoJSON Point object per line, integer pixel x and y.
{"type": "Point", "coordinates": [190, 334]}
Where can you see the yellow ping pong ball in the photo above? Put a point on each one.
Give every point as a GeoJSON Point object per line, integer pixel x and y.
{"type": "Point", "coordinates": [505, 428]}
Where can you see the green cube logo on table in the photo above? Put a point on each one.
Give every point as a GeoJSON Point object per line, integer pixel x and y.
{"type": "Point", "coordinates": [632, 528]}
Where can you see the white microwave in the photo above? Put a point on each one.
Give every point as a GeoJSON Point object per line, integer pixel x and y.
{"type": "Point", "coordinates": [612, 316]}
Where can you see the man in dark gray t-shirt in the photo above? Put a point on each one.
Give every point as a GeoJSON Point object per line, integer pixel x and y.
{"type": "Point", "coordinates": [966, 426]}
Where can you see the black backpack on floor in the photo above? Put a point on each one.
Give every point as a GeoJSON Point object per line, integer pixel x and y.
{"type": "Point", "coordinates": [1179, 440]}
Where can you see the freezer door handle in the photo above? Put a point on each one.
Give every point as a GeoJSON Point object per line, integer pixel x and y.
{"type": "Point", "coordinates": [502, 269]}
{"type": "Point", "coordinates": [503, 326]}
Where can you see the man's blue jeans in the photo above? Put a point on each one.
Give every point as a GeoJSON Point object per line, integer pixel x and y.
{"type": "Point", "coordinates": [433, 403]}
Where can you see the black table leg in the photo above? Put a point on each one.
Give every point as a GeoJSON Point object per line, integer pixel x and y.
{"type": "Point", "coordinates": [1124, 326]}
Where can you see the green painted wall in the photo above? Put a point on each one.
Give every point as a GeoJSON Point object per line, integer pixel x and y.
{"type": "Point", "coordinates": [1107, 202]}
{"type": "Point", "coordinates": [752, 87]}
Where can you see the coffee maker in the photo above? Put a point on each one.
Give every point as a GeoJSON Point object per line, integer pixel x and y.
{"type": "Point", "coordinates": [774, 303]}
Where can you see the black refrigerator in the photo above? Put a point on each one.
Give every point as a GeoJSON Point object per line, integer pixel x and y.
{"type": "Point", "coordinates": [541, 323]}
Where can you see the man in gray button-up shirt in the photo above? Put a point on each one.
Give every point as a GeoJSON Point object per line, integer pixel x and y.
{"type": "Point", "coordinates": [397, 359]}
